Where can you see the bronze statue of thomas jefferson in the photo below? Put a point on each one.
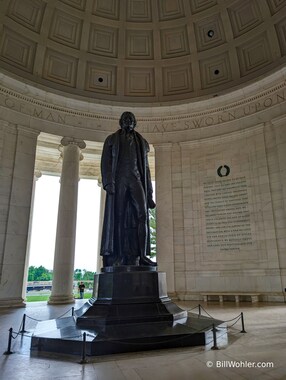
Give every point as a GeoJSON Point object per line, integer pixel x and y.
{"type": "Point", "coordinates": [127, 182]}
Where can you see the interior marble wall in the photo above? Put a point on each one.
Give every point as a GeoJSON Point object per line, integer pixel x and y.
{"type": "Point", "coordinates": [229, 231]}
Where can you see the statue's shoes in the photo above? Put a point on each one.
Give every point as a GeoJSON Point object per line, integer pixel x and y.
{"type": "Point", "coordinates": [147, 262]}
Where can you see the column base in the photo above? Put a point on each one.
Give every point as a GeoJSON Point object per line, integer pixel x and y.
{"type": "Point", "coordinates": [12, 302]}
{"type": "Point", "coordinates": [61, 300]}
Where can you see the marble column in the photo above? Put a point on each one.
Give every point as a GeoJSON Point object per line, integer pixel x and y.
{"type": "Point", "coordinates": [37, 175]}
{"type": "Point", "coordinates": [17, 150]}
{"type": "Point", "coordinates": [66, 224]}
{"type": "Point", "coordinates": [164, 213]}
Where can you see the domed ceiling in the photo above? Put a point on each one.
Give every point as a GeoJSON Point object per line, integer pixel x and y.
{"type": "Point", "coordinates": [142, 51]}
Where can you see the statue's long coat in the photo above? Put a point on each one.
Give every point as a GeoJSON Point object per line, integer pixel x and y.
{"type": "Point", "coordinates": [109, 161]}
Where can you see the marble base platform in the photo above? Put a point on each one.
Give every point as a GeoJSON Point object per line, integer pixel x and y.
{"type": "Point", "coordinates": [129, 311]}
{"type": "Point", "coordinates": [64, 337]}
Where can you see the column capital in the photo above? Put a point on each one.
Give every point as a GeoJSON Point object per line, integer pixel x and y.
{"type": "Point", "coordinates": [23, 130]}
{"type": "Point", "coordinates": [65, 141]}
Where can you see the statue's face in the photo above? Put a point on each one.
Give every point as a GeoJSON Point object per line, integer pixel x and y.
{"type": "Point", "coordinates": [128, 121]}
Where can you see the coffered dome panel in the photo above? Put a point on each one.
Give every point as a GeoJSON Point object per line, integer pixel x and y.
{"type": "Point", "coordinates": [60, 68]}
{"type": "Point", "coordinates": [201, 5]}
{"type": "Point", "coordinates": [244, 16]}
{"type": "Point", "coordinates": [281, 33]}
{"type": "Point", "coordinates": [106, 8]}
{"type": "Point", "coordinates": [139, 44]}
{"type": "Point", "coordinates": [142, 51]}
{"type": "Point", "coordinates": [17, 50]}
{"type": "Point", "coordinates": [275, 5]}
{"type": "Point", "coordinates": [174, 42]}
{"type": "Point", "coordinates": [66, 29]}
{"type": "Point", "coordinates": [215, 71]}
{"type": "Point", "coordinates": [103, 40]}
{"type": "Point", "coordinates": [79, 4]}
{"type": "Point", "coordinates": [254, 54]}
{"type": "Point", "coordinates": [29, 14]}
{"type": "Point", "coordinates": [100, 78]}
{"type": "Point", "coordinates": [209, 33]}
{"type": "Point", "coordinates": [139, 11]}
{"type": "Point", "coordinates": [139, 81]}
{"type": "Point", "coordinates": [177, 79]}
{"type": "Point", "coordinates": [170, 9]}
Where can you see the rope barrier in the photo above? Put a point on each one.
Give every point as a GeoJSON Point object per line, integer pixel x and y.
{"type": "Point", "coordinates": [71, 309]}
{"type": "Point", "coordinates": [62, 315]}
{"type": "Point", "coordinates": [202, 308]}
{"type": "Point", "coordinates": [196, 307]}
{"type": "Point", "coordinates": [236, 319]}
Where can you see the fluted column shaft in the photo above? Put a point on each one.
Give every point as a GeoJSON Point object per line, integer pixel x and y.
{"type": "Point", "coordinates": [17, 151]}
{"type": "Point", "coordinates": [66, 224]}
{"type": "Point", "coordinates": [164, 211]}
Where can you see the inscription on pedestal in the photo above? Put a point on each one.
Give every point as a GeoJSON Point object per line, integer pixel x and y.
{"type": "Point", "coordinates": [228, 225]}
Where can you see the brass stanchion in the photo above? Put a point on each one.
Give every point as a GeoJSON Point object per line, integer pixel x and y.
{"type": "Point", "coordinates": [23, 325]}
{"type": "Point", "coordinates": [83, 355]}
{"type": "Point", "coordinates": [242, 323]}
{"type": "Point", "coordinates": [9, 352]}
{"type": "Point", "coordinates": [214, 347]}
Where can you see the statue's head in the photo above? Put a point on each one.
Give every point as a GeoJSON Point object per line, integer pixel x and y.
{"type": "Point", "coordinates": [127, 121]}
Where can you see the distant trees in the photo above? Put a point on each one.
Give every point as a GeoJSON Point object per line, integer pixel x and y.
{"type": "Point", "coordinates": [39, 274]}
{"type": "Point", "coordinates": [42, 274]}
{"type": "Point", "coordinates": [83, 275]}
{"type": "Point", "coordinates": [77, 274]}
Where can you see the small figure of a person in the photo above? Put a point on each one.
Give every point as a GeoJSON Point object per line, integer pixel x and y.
{"type": "Point", "coordinates": [127, 182]}
{"type": "Point", "coordinates": [81, 288]}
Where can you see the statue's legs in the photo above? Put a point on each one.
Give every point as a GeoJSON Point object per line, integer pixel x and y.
{"type": "Point", "coordinates": [138, 199]}
{"type": "Point", "coordinates": [120, 209]}
{"type": "Point", "coordinates": [130, 190]}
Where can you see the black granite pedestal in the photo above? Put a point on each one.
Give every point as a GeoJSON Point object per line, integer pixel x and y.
{"type": "Point", "coordinates": [128, 295]}
{"type": "Point", "coordinates": [129, 311]}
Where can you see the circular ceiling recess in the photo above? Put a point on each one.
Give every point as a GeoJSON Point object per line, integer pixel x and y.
{"type": "Point", "coordinates": [142, 51]}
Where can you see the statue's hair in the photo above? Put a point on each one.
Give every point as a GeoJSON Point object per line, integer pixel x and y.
{"type": "Point", "coordinates": [130, 114]}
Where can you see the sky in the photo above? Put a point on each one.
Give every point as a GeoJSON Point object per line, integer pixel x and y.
{"type": "Point", "coordinates": [44, 223]}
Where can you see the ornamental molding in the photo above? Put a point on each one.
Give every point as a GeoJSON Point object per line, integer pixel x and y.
{"type": "Point", "coordinates": [178, 118]}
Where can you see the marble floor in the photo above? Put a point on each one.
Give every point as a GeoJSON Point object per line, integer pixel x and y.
{"type": "Point", "coordinates": [258, 354]}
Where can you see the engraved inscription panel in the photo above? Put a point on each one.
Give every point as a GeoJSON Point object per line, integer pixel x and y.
{"type": "Point", "coordinates": [227, 216]}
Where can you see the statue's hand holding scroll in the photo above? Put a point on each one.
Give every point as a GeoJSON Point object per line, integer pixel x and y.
{"type": "Point", "coordinates": [110, 188]}
{"type": "Point", "coordinates": [151, 204]}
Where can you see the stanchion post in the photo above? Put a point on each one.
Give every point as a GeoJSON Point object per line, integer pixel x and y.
{"type": "Point", "coordinates": [200, 312]}
{"type": "Point", "coordinates": [72, 311]}
{"type": "Point", "coordinates": [242, 323]}
{"type": "Point", "coordinates": [9, 352]}
{"type": "Point", "coordinates": [23, 325]}
{"type": "Point", "coordinates": [83, 359]}
{"type": "Point", "coordinates": [214, 347]}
